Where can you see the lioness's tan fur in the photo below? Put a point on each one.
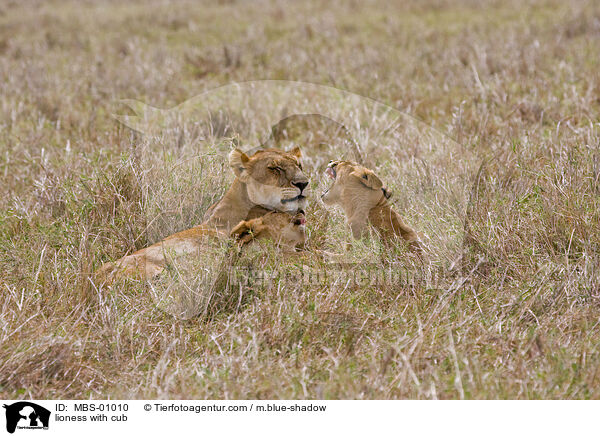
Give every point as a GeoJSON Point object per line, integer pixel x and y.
{"type": "Point", "coordinates": [270, 179]}
{"type": "Point", "coordinates": [285, 230]}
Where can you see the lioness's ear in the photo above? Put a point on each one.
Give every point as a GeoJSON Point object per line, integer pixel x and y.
{"type": "Point", "coordinates": [296, 152]}
{"type": "Point", "coordinates": [367, 178]}
{"type": "Point", "coordinates": [237, 162]}
{"type": "Point", "coordinates": [243, 232]}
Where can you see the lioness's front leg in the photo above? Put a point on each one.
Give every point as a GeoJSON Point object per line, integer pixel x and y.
{"type": "Point", "coordinates": [143, 264]}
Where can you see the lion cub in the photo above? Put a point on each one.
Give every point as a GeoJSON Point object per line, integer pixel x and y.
{"type": "Point", "coordinates": [285, 230]}
{"type": "Point", "coordinates": [362, 196]}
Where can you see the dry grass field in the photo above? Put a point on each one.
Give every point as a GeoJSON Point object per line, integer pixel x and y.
{"type": "Point", "coordinates": [507, 306]}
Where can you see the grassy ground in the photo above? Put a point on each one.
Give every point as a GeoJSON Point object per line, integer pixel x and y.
{"type": "Point", "coordinates": [514, 311]}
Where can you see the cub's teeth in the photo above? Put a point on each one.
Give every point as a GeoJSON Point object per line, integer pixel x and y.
{"type": "Point", "coordinates": [330, 172]}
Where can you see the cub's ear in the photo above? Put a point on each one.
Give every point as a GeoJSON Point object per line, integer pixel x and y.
{"type": "Point", "coordinates": [296, 152]}
{"type": "Point", "coordinates": [237, 161]}
{"type": "Point", "coordinates": [367, 178]}
{"type": "Point", "coordinates": [243, 232]}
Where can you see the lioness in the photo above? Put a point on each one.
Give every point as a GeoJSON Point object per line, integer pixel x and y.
{"type": "Point", "coordinates": [285, 230]}
{"type": "Point", "coordinates": [271, 179]}
{"type": "Point", "coordinates": [362, 196]}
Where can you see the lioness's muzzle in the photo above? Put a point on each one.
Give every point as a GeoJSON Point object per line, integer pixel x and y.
{"type": "Point", "coordinates": [297, 197]}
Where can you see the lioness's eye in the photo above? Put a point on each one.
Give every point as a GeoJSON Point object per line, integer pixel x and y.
{"type": "Point", "coordinates": [278, 169]}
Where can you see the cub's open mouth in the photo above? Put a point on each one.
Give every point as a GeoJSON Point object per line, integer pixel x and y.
{"type": "Point", "coordinates": [300, 221]}
{"type": "Point", "coordinates": [331, 173]}
{"type": "Point", "coordinates": [299, 218]}
{"type": "Point", "coordinates": [296, 198]}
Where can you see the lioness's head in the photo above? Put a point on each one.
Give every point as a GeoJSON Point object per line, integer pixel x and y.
{"type": "Point", "coordinates": [274, 178]}
{"type": "Point", "coordinates": [287, 231]}
{"type": "Point", "coordinates": [353, 186]}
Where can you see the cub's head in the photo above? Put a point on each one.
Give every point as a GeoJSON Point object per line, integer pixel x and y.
{"type": "Point", "coordinates": [353, 186]}
{"type": "Point", "coordinates": [274, 178]}
{"type": "Point", "coordinates": [287, 231]}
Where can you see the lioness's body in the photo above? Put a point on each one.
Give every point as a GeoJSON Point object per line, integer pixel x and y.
{"type": "Point", "coordinates": [285, 230]}
{"type": "Point", "coordinates": [150, 261]}
{"type": "Point", "coordinates": [269, 180]}
{"type": "Point", "coordinates": [360, 193]}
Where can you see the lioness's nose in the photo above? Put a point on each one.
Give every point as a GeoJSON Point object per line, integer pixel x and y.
{"type": "Point", "coordinates": [300, 185]}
